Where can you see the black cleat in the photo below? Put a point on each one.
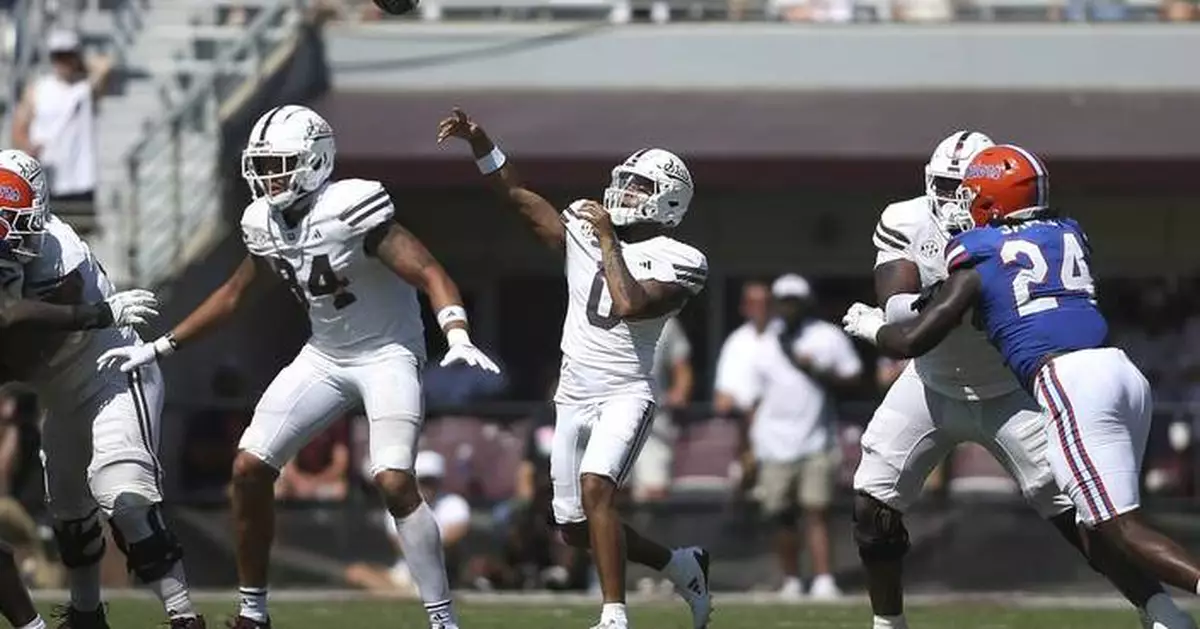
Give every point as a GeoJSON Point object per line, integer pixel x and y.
{"type": "Point", "coordinates": [191, 622]}
{"type": "Point", "coordinates": [74, 619]}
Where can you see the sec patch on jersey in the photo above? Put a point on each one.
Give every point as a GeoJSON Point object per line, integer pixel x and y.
{"type": "Point", "coordinates": [397, 7]}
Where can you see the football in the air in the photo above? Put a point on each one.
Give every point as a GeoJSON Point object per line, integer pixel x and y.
{"type": "Point", "coordinates": [396, 7]}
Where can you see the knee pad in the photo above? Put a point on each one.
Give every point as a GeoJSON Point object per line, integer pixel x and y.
{"type": "Point", "coordinates": [878, 530]}
{"type": "Point", "coordinates": [80, 542]}
{"type": "Point", "coordinates": [153, 556]}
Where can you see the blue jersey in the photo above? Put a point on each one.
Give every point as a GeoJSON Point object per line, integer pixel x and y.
{"type": "Point", "coordinates": [1037, 297]}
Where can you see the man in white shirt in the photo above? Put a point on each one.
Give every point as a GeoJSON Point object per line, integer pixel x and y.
{"type": "Point", "coordinates": [733, 391]}
{"type": "Point", "coordinates": [792, 429]}
{"type": "Point", "coordinates": [55, 122]}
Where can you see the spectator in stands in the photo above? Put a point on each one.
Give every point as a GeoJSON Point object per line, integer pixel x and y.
{"type": "Point", "coordinates": [1180, 10]}
{"type": "Point", "coordinates": [453, 517]}
{"type": "Point", "coordinates": [826, 11]}
{"type": "Point", "coordinates": [673, 383]}
{"type": "Point", "coordinates": [734, 388]}
{"type": "Point", "coordinates": [320, 470]}
{"type": "Point", "coordinates": [55, 122]}
{"type": "Point", "coordinates": [924, 11]}
{"type": "Point", "coordinates": [792, 431]}
{"type": "Point", "coordinates": [1095, 11]}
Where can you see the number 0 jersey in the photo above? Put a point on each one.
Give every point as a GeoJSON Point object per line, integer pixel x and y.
{"type": "Point", "coordinates": [602, 354]}
{"type": "Point", "coordinates": [355, 303]}
{"type": "Point", "coordinates": [964, 366]}
{"type": "Point", "coordinates": [1037, 297]}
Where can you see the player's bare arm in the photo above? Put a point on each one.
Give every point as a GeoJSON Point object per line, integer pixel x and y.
{"type": "Point", "coordinates": [945, 312]}
{"type": "Point", "coordinates": [632, 299]}
{"type": "Point", "coordinates": [215, 310]}
{"type": "Point", "coordinates": [896, 278]}
{"type": "Point", "coordinates": [403, 253]}
{"type": "Point", "coordinates": [502, 176]}
{"type": "Point", "coordinates": [222, 303]}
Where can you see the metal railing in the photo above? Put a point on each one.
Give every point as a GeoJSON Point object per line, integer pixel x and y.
{"type": "Point", "coordinates": [174, 189]}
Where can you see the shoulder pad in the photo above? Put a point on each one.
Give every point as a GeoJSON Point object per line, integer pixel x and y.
{"type": "Point", "coordinates": [899, 223]}
{"type": "Point", "coordinates": [682, 264]}
{"type": "Point", "coordinates": [359, 203]}
{"type": "Point", "coordinates": [255, 229]}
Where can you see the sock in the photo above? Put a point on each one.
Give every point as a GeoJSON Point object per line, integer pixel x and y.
{"type": "Point", "coordinates": [678, 568]}
{"type": "Point", "coordinates": [85, 588]}
{"type": "Point", "coordinates": [37, 623]}
{"type": "Point", "coordinates": [253, 604]}
{"type": "Point", "coordinates": [172, 590]}
{"type": "Point", "coordinates": [890, 622]}
{"type": "Point", "coordinates": [421, 544]}
{"type": "Point", "coordinates": [441, 613]}
{"type": "Point", "coordinates": [613, 612]}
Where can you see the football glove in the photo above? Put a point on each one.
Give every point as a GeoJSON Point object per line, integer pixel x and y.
{"type": "Point", "coordinates": [863, 321]}
{"type": "Point", "coordinates": [927, 295]}
{"type": "Point", "coordinates": [127, 358]}
{"type": "Point", "coordinates": [463, 351]}
{"type": "Point", "coordinates": [132, 307]}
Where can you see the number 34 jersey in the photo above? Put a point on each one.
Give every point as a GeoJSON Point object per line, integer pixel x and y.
{"type": "Point", "coordinates": [602, 354]}
{"type": "Point", "coordinates": [355, 303]}
{"type": "Point", "coordinates": [1037, 296]}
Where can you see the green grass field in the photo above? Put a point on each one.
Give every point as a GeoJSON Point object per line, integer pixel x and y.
{"type": "Point", "coordinates": [131, 614]}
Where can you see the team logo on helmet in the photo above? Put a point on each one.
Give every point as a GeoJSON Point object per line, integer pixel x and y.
{"type": "Point", "coordinates": [9, 193]}
{"type": "Point", "coordinates": [676, 171]}
{"type": "Point", "coordinates": [984, 171]}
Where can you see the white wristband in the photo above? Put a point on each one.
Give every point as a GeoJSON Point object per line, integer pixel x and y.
{"type": "Point", "coordinates": [451, 314]}
{"type": "Point", "coordinates": [457, 336]}
{"type": "Point", "coordinates": [491, 162]}
{"type": "Point", "coordinates": [164, 345]}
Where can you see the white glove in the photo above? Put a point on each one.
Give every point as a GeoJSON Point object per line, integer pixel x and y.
{"type": "Point", "coordinates": [132, 307]}
{"type": "Point", "coordinates": [131, 357]}
{"type": "Point", "coordinates": [863, 321]}
{"type": "Point", "coordinates": [463, 351]}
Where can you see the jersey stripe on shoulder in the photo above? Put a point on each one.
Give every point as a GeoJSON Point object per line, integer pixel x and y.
{"type": "Point", "coordinates": [887, 243]}
{"type": "Point", "coordinates": [693, 275]}
{"type": "Point", "coordinates": [895, 234]}
{"type": "Point", "coordinates": [365, 208]}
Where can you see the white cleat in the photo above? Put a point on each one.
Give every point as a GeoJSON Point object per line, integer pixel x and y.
{"type": "Point", "coordinates": [611, 624]}
{"type": "Point", "coordinates": [824, 588]}
{"type": "Point", "coordinates": [693, 586]}
{"type": "Point", "coordinates": [792, 589]}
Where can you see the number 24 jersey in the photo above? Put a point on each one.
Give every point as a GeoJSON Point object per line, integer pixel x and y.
{"type": "Point", "coordinates": [602, 354]}
{"type": "Point", "coordinates": [355, 303]}
{"type": "Point", "coordinates": [1038, 297]}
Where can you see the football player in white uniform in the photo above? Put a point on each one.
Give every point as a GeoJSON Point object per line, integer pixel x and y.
{"type": "Point", "coordinates": [100, 436]}
{"type": "Point", "coordinates": [338, 248]}
{"type": "Point", "coordinates": [959, 392]}
{"type": "Point", "coordinates": [625, 277]}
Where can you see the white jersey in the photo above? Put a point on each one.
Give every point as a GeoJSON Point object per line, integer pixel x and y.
{"type": "Point", "coordinates": [64, 254]}
{"type": "Point", "coordinates": [602, 354]}
{"type": "Point", "coordinates": [965, 365]}
{"type": "Point", "coordinates": [356, 304]}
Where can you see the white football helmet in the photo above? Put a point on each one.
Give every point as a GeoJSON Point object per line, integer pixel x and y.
{"type": "Point", "coordinates": [944, 174]}
{"type": "Point", "coordinates": [652, 185]}
{"type": "Point", "coordinates": [289, 154]}
{"type": "Point", "coordinates": [26, 224]}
